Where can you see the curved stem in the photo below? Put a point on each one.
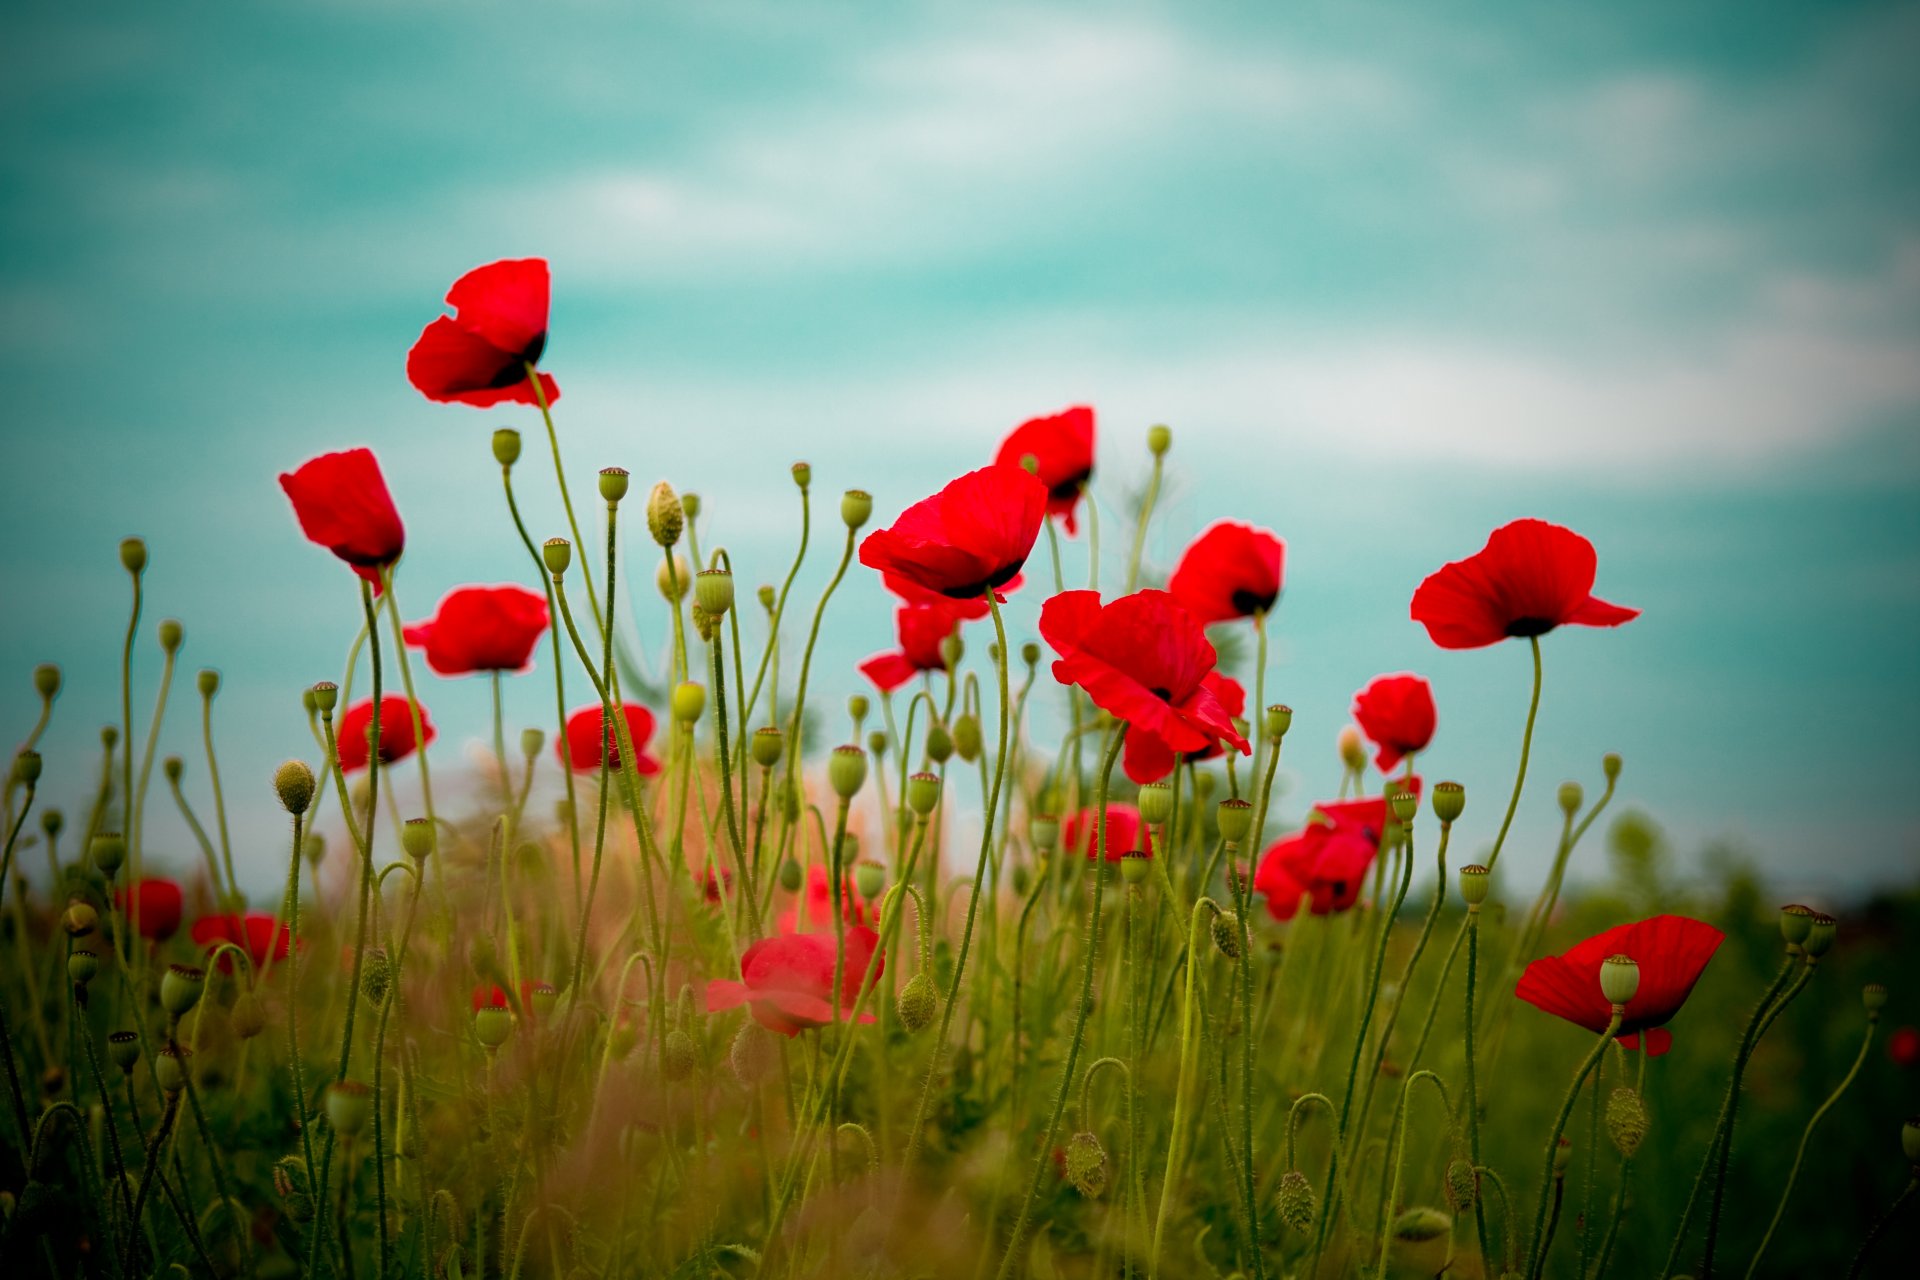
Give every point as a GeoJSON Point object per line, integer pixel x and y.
{"type": "Point", "coordinates": [1879, 1227]}
{"type": "Point", "coordinates": [1526, 749]}
{"type": "Point", "coordinates": [1536, 1251]}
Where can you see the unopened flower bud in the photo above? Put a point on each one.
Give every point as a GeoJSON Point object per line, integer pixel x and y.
{"type": "Point", "coordinates": [1449, 801]}
{"type": "Point", "coordinates": [46, 679]}
{"type": "Point", "coordinates": [1043, 831]}
{"type": "Point", "coordinates": [1619, 979]}
{"type": "Point", "coordinates": [870, 878]}
{"type": "Point", "coordinates": [26, 767]}
{"type": "Point", "coordinates": [558, 554]}
{"type": "Point", "coordinates": [109, 736]}
{"type": "Point", "coordinates": [856, 507]}
{"type": "Point", "coordinates": [1294, 1200]}
{"type": "Point", "coordinates": [123, 1047]}
{"type": "Point", "coordinates": [1796, 922]}
{"type": "Point", "coordinates": [506, 446]}
{"type": "Point", "coordinates": [666, 520]}
{"type": "Point", "coordinates": [923, 793]}
{"type": "Point", "coordinates": [1226, 934]}
{"type": "Point", "coordinates": [173, 767]}
{"type": "Point", "coordinates": [919, 1003]}
{"type": "Point", "coordinates": [1417, 1226]}
{"type": "Point", "coordinates": [52, 821]}
{"type": "Point", "coordinates": [492, 1025]}
{"type": "Point", "coordinates": [1610, 765]}
{"type": "Point", "coordinates": [1462, 1184]}
{"type": "Point", "coordinates": [133, 555]}
{"type": "Point", "coordinates": [791, 876]}
{"type": "Point", "coordinates": [248, 1017]}
{"type": "Point", "coordinates": [108, 850]}
{"type": "Point", "coordinates": [766, 746]}
{"type": "Point", "coordinates": [1159, 439]}
{"type": "Point", "coordinates": [673, 577]}
{"type": "Point", "coordinates": [802, 474]}
{"type": "Point", "coordinates": [82, 965]}
{"type": "Point", "coordinates": [170, 1067]}
{"type": "Point", "coordinates": [376, 976]}
{"type": "Point", "coordinates": [1277, 720]}
{"type": "Point", "coordinates": [1133, 866]}
{"type": "Point", "coordinates": [313, 847]}
{"type": "Point", "coordinates": [678, 1055]}
{"type": "Point", "coordinates": [713, 591]}
{"type": "Point", "coordinates": [293, 781]}
{"type": "Point", "coordinates": [1874, 997]}
{"type": "Point", "coordinates": [689, 702]}
{"type": "Point", "coordinates": [1474, 884]}
{"type": "Point", "coordinates": [1570, 797]}
{"type": "Point", "coordinates": [847, 771]}
{"type": "Point", "coordinates": [543, 998]}
{"type": "Point", "coordinates": [1820, 937]}
{"type": "Point", "coordinates": [1086, 1164]}
{"type": "Point", "coordinates": [753, 1055]}
{"type": "Point", "coordinates": [967, 742]}
{"type": "Point", "coordinates": [80, 919]}
{"type": "Point", "coordinates": [1155, 802]}
{"type": "Point", "coordinates": [939, 743]}
{"type": "Point", "coordinates": [1627, 1120]}
{"type": "Point", "coordinates": [764, 594]}
{"type": "Point", "coordinates": [208, 682]}
{"type": "Point", "coordinates": [180, 988]}
{"type": "Point", "coordinates": [531, 740]}
{"type": "Point", "coordinates": [172, 634]}
{"type": "Point", "coordinates": [877, 742]}
{"type": "Point", "coordinates": [1353, 751]}
{"type": "Point", "coordinates": [416, 838]}
{"type": "Point", "coordinates": [349, 1107]}
{"type": "Point", "coordinates": [613, 484]}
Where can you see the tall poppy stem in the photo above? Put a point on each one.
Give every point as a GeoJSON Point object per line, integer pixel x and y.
{"type": "Point", "coordinates": [1183, 1085]}
{"type": "Point", "coordinates": [219, 801]}
{"type": "Point", "coordinates": [1536, 1250]}
{"type": "Point", "coordinates": [1526, 749]}
{"type": "Point", "coordinates": [128, 823]}
{"type": "Point", "coordinates": [566, 499]}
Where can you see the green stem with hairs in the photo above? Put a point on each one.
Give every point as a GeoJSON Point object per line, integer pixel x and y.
{"type": "Point", "coordinates": [1536, 1250]}
{"type": "Point", "coordinates": [1183, 1086]}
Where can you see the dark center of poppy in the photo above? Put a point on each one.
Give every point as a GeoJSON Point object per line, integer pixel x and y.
{"type": "Point", "coordinates": [1247, 603]}
{"type": "Point", "coordinates": [513, 366]}
{"type": "Point", "coordinates": [1524, 627]}
{"type": "Point", "coordinates": [1165, 695]}
{"type": "Point", "coordinates": [1069, 487]}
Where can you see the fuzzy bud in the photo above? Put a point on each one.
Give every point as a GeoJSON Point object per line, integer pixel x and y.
{"type": "Point", "coordinates": [1156, 802]}
{"type": "Point", "coordinates": [1294, 1200]}
{"type": "Point", "coordinates": [123, 1047]}
{"type": "Point", "coordinates": [133, 555]}
{"type": "Point", "coordinates": [689, 702]}
{"type": "Point", "coordinates": [170, 1067]}
{"type": "Point", "coordinates": [1627, 1120]}
{"type": "Point", "coordinates": [856, 507]}
{"type": "Point", "coordinates": [1475, 882]}
{"type": "Point", "coordinates": [416, 838]}
{"type": "Point", "coordinates": [313, 847]}
{"type": "Point", "coordinates": [673, 578]}
{"type": "Point", "coordinates": [376, 976]}
{"type": "Point", "coordinates": [1086, 1164]}
{"type": "Point", "coordinates": [939, 743]}
{"type": "Point", "coordinates": [1226, 934]}
{"type": "Point", "coordinates": [506, 446]}
{"type": "Point", "coordinates": [847, 771]}
{"type": "Point", "coordinates": [613, 484]}
{"type": "Point", "coordinates": [1449, 801]}
{"type": "Point", "coordinates": [678, 1055]}
{"type": "Point", "coordinates": [1353, 751]}
{"type": "Point", "coordinates": [349, 1107]}
{"type": "Point", "coordinates": [1417, 1226]}
{"type": "Point", "coordinates": [1462, 1184]}
{"type": "Point", "coordinates": [666, 519]}
{"type": "Point", "coordinates": [558, 554]}
{"type": "Point", "coordinates": [294, 783]}
{"type": "Point", "coordinates": [248, 1017]}
{"type": "Point", "coordinates": [753, 1055]}
{"type": "Point", "coordinates": [713, 591]}
{"type": "Point", "coordinates": [919, 1003]}
{"type": "Point", "coordinates": [180, 988]}
{"type": "Point", "coordinates": [766, 746]}
{"type": "Point", "coordinates": [1619, 979]}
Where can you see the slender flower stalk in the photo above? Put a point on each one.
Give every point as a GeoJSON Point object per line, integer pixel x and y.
{"type": "Point", "coordinates": [1537, 1251]}
{"type": "Point", "coordinates": [209, 684]}
{"type": "Point", "coordinates": [1203, 910]}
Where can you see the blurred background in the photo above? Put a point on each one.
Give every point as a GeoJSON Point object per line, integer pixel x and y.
{"type": "Point", "coordinates": [1394, 274]}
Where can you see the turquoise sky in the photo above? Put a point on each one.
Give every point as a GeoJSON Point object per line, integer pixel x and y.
{"type": "Point", "coordinates": [1395, 274]}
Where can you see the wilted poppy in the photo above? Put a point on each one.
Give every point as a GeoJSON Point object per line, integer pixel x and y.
{"type": "Point", "coordinates": [1671, 952]}
{"type": "Point", "coordinates": [256, 933]}
{"type": "Point", "coordinates": [1530, 578]}
{"type": "Point", "coordinates": [1147, 759]}
{"type": "Point", "coordinates": [923, 631]}
{"type": "Point", "coordinates": [967, 539]}
{"type": "Point", "coordinates": [156, 904]}
{"type": "Point", "coordinates": [480, 354]}
{"type": "Point", "coordinates": [787, 980]}
{"type": "Point", "coordinates": [342, 503]}
{"type": "Point", "coordinates": [396, 731]}
{"type": "Point", "coordinates": [1327, 860]}
{"type": "Point", "coordinates": [1144, 659]}
{"type": "Point", "coordinates": [1126, 833]}
{"type": "Point", "coordinates": [1061, 445]}
{"type": "Point", "coordinates": [1396, 713]}
{"type": "Point", "coordinates": [481, 629]}
{"type": "Point", "coordinates": [1230, 571]}
{"type": "Point", "coordinates": [579, 747]}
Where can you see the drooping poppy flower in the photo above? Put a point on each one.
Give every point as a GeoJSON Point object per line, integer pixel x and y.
{"type": "Point", "coordinates": [1231, 570]}
{"type": "Point", "coordinates": [1327, 860]}
{"type": "Point", "coordinates": [967, 539]}
{"type": "Point", "coordinates": [923, 630]}
{"type": "Point", "coordinates": [255, 933]}
{"type": "Point", "coordinates": [481, 629]}
{"type": "Point", "coordinates": [579, 748]}
{"type": "Point", "coordinates": [1531, 577]}
{"type": "Point", "coordinates": [154, 905]}
{"type": "Point", "coordinates": [1396, 713]}
{"type": "Point", "coordinates": [396, 731]}
{"type": "Point", "coordinates": [342, 503]}
{"type": "Point", "coordinates": [1147, 759]}
{"type": "Point", "coordinates": [1144, 659]}
{"type": "Point", "coordinates": [1671, 952]}
{"type": "Point", "coordinates": [813, 910]}
{"type": "Point", "coordinates": [1126, 833]}
{"type": "Point", "coordinates": [480, 354]}
{"type": "Point", "coordinates": [787, 980]}
{"type": "Point", "coordinates": [1062, 445]}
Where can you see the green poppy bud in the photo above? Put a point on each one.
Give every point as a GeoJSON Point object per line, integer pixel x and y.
{"type": "Point", "coordinates": [46, 680]}
{"type": "Point", "coordinates": [1627, 1121]}
{"type": "Point", "coordinates": [613, 484]}
{"type": "Point", "coordinates": [544, 998]}
{"type": "Point", "coordinates": [673, 577]}
{"type": "Point", "coordinates": [506, 446]}
{"type": "Point", "coordinates": [713, 591]}
{"type": "Point", "coordinates": [1279, 719]}
{"type": "Point", "coordinates": [1474, 884]}
{"type": "Point", "coordinates": [1874, 997]}
{"type": "Point", "coordinates": [1226, 934]}
{"type": "Point", "coordinates": [1353, 751]}
{"type": "Point", "coordinates": [376, 976]}
{"type": "Point", "coordinates": [1610, 765]}
{"type": "Point", "coordinates": [172, 634]}
{"type": "Point", "coordinates": [82, 965]}
{"type": "Point", "coordinates": [1417, 1226]}
{"type": "Point", "coordinates": [180, 988]}
{"type": "Point", "coordinates": [857, 707]}
{"type": "Point", "coordinates": [173, 767]}
{"type": "Point", "coordinates": [108, 850]}
{"type": "Point", "coordinates": [170, 1067]}
{"type": "Point", "coordinates": [847, 771]}
{"type": "Point", "coordinates": [790, 876]}
{"type": "Point", "coordinates": [939, 743]}
{"type": "Point", "coordinates": [877, 742]}
{"type": "Point", "coordinates": [919, 1004]}
{"type": "Point", "coordinates": [952, 649]}
{"type": "Point", "coordinates": [1203, 786]}
{"type": "Point", "coordinates": [1043, 831]}
{"type": "Point", "coordinates": [678, 1055]}
{"type": "Point", "coordinates": [967, 742]}
{"type": "Point", "coordinates": [416, 838]}
{"type": "Point", "coordinates": [1086, 1164]}
{"type": "Point", "coordinates": [1619, 979]}
{"type": "Point", "coordinates": [1235, 819]}
{"type": "Point", "coordinates": [492, 1025]}
{"type": "Point", "coordinates": [294, 783]}
{"type": "Point", "coordinates": [753, 1055]}
{"type": "Point", "coordinates": [313, 847]}
{"type": "Point", "coordinates": [349, 1106]}
{"type": "Point", "coordinates": [52, 821]}
{"type": "Point", "coordinates": [689, 701]}
{"type": "Point", "coordinates": [1820, 937]}
{"type": "Point", "coordinates": [26, 768]}
{"type": "Point", "coordinates": [133, 555]}
{"type": "Point", "coordinates": [1403, 802]}
{"type": "Point", "coordinates": [870, 878]}
{"type": "Point", "coordinates": [766, 746]}
{"type": "Point", "coordinates": [80, 919]}
{"type": "Point", "coordinates": [1570, 797]}
{"type": "Point", "coordinates": [765, 595]}
{"type": "Point", "coordinates": [1796, 922]}
{"type": "Point", "coordinates": [923, 793]}
{"type": "Point", "coordinates": [666, 519]}
{"type": "Point", "coordinates": [1462, 1184]}
{"type": "Point", "coordinates": [1156, 802]}
{"type": "Point", "coordinates": [248, 1017]}
{"type": "Point", "coordinates": [558, 554]}
{"type": "Point", "coordinates": [1449, 801]}
{"type": "Point", "coordinates": [690, 504]}
{"type": "Point", "coordinates": [802, 475]}
{"type": "Point", "coordinates": [531, 740]}
{"type": "Point", "coordinates": [1294, 1199]}
{"type": "Point", "coordinates": [1133, 866]}
{"type": "Point", "coordinates": [123, 1047]}
{"type": "Point", "coordinates": [856, 507]}
{"type": "Point", "coordinates": [1159, 439]}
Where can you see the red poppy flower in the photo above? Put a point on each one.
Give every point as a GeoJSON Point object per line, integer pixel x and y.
{"type": "Point", "coordinates": [481, 629]}
{"type": "Point", "coordinates": [1126, 833]}
{"type": "Point", "coordinates": [1144, 659]}
{"type": "Point", "coordinates": [1396, 713]}
{"type": "Point", "coordinates": [1903, 1046]}
{"type": "Point", "coordinates": [490, 995]}
{"type": "Point", "coordinates": [967, 539]}
{"type": "Point", "coordinates": [815, 909]}
{"type": "Point", "coordinates": [714, 883]}
{"type": "Point", "coordinates": [1530, 578]}
{"type": "Point", "coordinates": [1062, 445]}
{"type": "Point", "coordinates": [156, 903]}
{"type": "Point", "coordinates": [970, 609]}
{"type": "Point", "coordinates": [1671, 952]}
{"type": "Point", "coordinates": [479, 355]}
{"type": "Point", "coordinates": [256, 933]}
{"type": "Point", "coordinates": [1230, 571]}
{"type": "Point", "coordinates": [579, 749]}
{"type": "Point", "coordinates": [1327, 860]}
{"type": "Point", "coordinates": [1147, 759]}
{"type": "Point", "coordinates": [396, 731]}
{"type": "Point", "coordinates": [342, 503]}
{"type": "Point", "coordinates": [923, 630]}
{"type": "Point", "coordinates": [787, 980]}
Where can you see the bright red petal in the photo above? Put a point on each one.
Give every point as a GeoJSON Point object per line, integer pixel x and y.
{"type": "Point", "coordinates": [506, 303]}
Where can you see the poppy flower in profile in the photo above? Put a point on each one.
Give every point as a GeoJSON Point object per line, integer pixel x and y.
{"type": "Point", "coordinates": [396, 731]}
{"type": "Point", "coordinates": [481, 353]}
{"type": "Point", "coordinates": [786, 981]}
{"type": "Point", "coordinates": [256, 933]}
{"type": "Point", "coordinates": [342, 503]}
{"type": "Point", "coordinates": [1396, 713]}
{"type": "Point", "coordinates": [1126, 833]}
{"type": "Point", "coordinates": [814, 909]}
{"type": "Point", "coordinates": [1144, 659]}
{"type": "Point", "coordinates": [1671, 952]}
{"type": "Point", "coordinates": [1147, 759]}
{"type": "Point", "coordinates": [970, 538]}
{"type": "Point", "coordinates": [1061, 445]}
{"type": "Point", "coordinates": [155, 903]}
{"type": "Point", "coordinates": [1325, 862]}
{"type": "Point", "coordinates": [1530, 578]}
{"type": "Point", "coordinates": [1230, 571]}
{"type": "Point", "coordinates": [579, 747]}
{"type": "Point", "coordinates": [481, 629]}
{"type": "Point", "coordinates": [923, 630]}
